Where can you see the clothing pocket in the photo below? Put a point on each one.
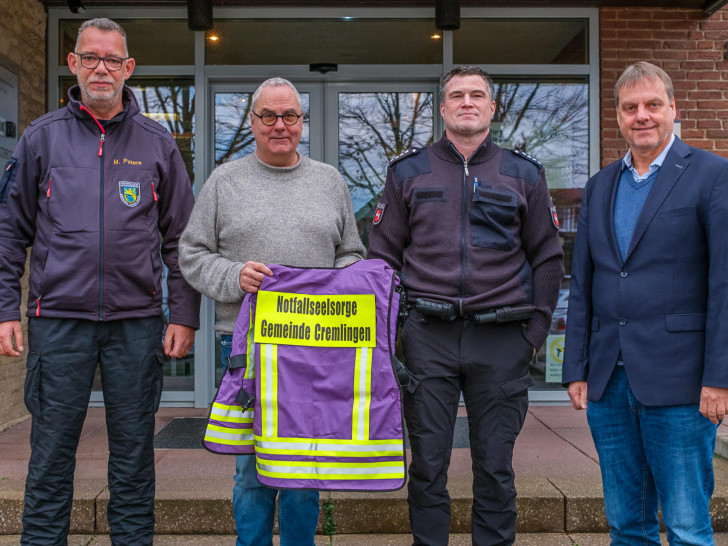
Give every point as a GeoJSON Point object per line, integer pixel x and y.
{"type": "Point", "coordinates": [159, 378]}
{"type": "Point", "coordinates": [685, 322]}
{"type": "Point", "coordinates": [517, 386]}
{"type": "Point", "coordinates": [32, 385]}
{"type": "Point", "coordinates": [491, 219]}
{"type": "Point", "coordinates": [8, 178]}
{"type": "Point", "coordinates": [425, 195]}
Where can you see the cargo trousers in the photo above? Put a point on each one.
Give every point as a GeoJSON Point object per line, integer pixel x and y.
{"type": "Point", "coordinates": [62, 360]}
{"type": "Point", "coordinates": [489, 364]}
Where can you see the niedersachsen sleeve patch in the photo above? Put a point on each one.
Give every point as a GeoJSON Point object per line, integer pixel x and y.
{"type": "Point", "coordinates": [554, 217]}
{"type": "Point", "coordinates": [379, 213]}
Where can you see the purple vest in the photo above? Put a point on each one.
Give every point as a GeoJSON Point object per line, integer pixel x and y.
{"type": "Point", "coordinates": [311, 387]}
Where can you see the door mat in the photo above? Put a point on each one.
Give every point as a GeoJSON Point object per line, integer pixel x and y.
{"type": "Point", "coordinates": [187, 433]}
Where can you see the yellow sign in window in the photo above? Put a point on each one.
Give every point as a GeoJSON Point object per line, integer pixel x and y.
{"type": "Point", "coordinates": [347, 320]}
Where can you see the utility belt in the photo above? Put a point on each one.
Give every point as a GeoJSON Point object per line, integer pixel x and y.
{"type": "Point", "coordinates": [446, 311]}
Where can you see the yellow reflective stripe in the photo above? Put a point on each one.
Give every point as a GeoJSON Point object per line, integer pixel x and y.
{"type": "Point", "coordinates": [327, 452]}
{"type": "Point", "coordinates": [269, 389]}
{"type": "Point", "coordinates": [213, 440]}
{"type": "Point", "coordinates": [327, 476]}
{"type": "Point", "coordinates": [362, 394]}
{"type": "Point", "coordinates": [395, 465]}
{"type": "Point", "coordinates": [228, 436]}
{"type": "Point", "coordinates": [250, 368]}
{"type": "Point", "coordinates": [324, 449]}
{"type": "Point", "coordinates": [344, 444]}
{"type": "Point", "coordinates": [230, 414]}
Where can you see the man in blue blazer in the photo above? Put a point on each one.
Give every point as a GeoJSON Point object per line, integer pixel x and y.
{"type": "Point", "coordinates": [647, 329]}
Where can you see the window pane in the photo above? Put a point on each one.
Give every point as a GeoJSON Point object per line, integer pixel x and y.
{"type": "Point", "coordinates": [369, 41]}
{"type": "Point", "coordinates": [374, 128]}
{"type": "Point", "coordinates": [150, 41]}
{"type": "Point", "coordinates": [233, 137]}
{"type": "Point", "coordinates": [549, 121]}
{"type": "Point", "coordinates": [500, 41]}
{"type": "Point", "coordinates": [170, 102]}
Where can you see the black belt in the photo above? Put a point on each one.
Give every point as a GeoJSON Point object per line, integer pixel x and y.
{"type": "Point", "coordinates": [446, 311]}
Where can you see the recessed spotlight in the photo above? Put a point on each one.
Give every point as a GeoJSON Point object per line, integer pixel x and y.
{"type": "Point", "coordinates": [435, 36]}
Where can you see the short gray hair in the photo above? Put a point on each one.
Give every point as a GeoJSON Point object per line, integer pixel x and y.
{"type": "Point", "coordinates": [467, 70]}
{"type": "Point", "coordinates": [107, 25]}
{"type": "Point", "coordinates": [640, 71]}
{"type": "Point", "coordinates": [275, 82]}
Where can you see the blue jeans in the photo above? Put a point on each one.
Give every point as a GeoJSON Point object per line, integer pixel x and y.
{"type": "Point", "coordinates": [254, 504]}
{"type": "Point", "coordinates": [652, 455]}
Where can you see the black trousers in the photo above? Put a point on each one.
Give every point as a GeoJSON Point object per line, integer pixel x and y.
{"type": "Point", "coordinates": [61, 364]}
{"type": "Point", "coordinates": [489, 364]}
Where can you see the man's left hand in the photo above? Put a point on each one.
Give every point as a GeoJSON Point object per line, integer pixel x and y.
{"type": "Point", "coordinates": [714, 403]}
{"type": "Point", "coordinates": [178, 340]}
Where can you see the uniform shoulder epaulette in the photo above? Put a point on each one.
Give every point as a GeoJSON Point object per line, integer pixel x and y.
{"type": "Point", "coordinates": [406, 153]}
{"type": "Point", "coordinates": [527, 157]}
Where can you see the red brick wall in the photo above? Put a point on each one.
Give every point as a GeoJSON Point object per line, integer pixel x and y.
{"type": "Point", "coordinates": [690, 48]}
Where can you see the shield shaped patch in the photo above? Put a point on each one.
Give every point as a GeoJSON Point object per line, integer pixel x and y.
{"type": "Point", "coordinates": [130, 193]}
{"type": "Point", "coordinates": [379, 212]}
{"type": "Point", "coordinates": [554, 218]}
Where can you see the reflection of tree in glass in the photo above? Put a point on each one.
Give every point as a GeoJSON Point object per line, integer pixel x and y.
{"type": "Point", "coordinates": [233, 137]}
{"type": "Point", "coordinates": [174, 107]}
{"type": "Point", "coordinates": [549, 122]}
{"type": "Point", "coordinates": [374, 128]}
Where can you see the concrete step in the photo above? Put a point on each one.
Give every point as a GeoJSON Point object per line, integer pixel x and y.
{"type": "Point", "coordinates": [558, 483]}
{"type": "Point", "coordinates": [523, 539]}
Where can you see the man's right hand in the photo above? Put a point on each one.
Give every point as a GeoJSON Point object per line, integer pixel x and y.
{"type": "Point", "coordinates": [10, 330]}
{"type": "Point", "coordinates": [252, 275]}
{"type": "Point", "coordinates": [577, 394]}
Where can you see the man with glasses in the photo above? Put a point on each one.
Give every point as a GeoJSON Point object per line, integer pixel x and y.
{"type": "Point", "coordinates": [274, 206]}
{"type": "Point", "coordinates": [92, 187]}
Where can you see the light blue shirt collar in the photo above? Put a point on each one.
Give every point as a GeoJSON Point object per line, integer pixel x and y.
{"type": "Point", "coordinates": [656, 164]}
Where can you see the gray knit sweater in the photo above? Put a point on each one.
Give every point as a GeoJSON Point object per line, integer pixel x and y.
{"type": "Point", "coordinates": [249, 211]}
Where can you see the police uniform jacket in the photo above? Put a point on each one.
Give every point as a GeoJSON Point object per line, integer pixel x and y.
{"type": "Point", "coordinates": [93, 199]}
{"type": "Point", "coordinates": [480, 245]}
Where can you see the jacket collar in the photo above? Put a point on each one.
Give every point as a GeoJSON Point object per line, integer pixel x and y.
{"type": "Point", "coordinates": [131, 107]}
{"type": "Point", "coordinates": [445, 149]}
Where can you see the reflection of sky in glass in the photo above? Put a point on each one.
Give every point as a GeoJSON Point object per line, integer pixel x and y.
{"type": "Point", "coordinates": [549, 121]}
{"type": "Point", "coordinates": [374, 128]}
{"type": "Point", "coordinates": [173, 106]}
{"type": "Point", "coordinates": [233, 138]}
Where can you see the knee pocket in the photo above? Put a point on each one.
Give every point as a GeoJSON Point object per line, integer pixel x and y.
{"type": "Point", "coordinates": [514, 387]}
{"type": "Point", "coordinates": [32, 384]}
{"type": "Point", "coordinates": [158, 379]}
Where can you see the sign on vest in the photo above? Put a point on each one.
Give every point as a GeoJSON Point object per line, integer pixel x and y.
{"type": "Point", "coordinates": [311, 387]}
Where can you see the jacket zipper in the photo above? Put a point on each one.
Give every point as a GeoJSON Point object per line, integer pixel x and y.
{"type": "Point", "coordinates": [463, 226]}
{"type": "Point", "coordinates": [101, 213]}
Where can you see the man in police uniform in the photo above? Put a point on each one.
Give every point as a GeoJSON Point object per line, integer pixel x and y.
{"type": "Point", "coordinates": [472, 228]}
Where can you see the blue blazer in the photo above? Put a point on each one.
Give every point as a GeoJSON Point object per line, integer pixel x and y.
{"type": "Point", "coordinates": [665, 307]}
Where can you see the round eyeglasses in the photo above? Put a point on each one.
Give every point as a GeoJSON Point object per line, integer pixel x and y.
{"type": "Point", "coordinates": [269, 118]}
{"type": "Point", "coordinates": [91, 61]}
